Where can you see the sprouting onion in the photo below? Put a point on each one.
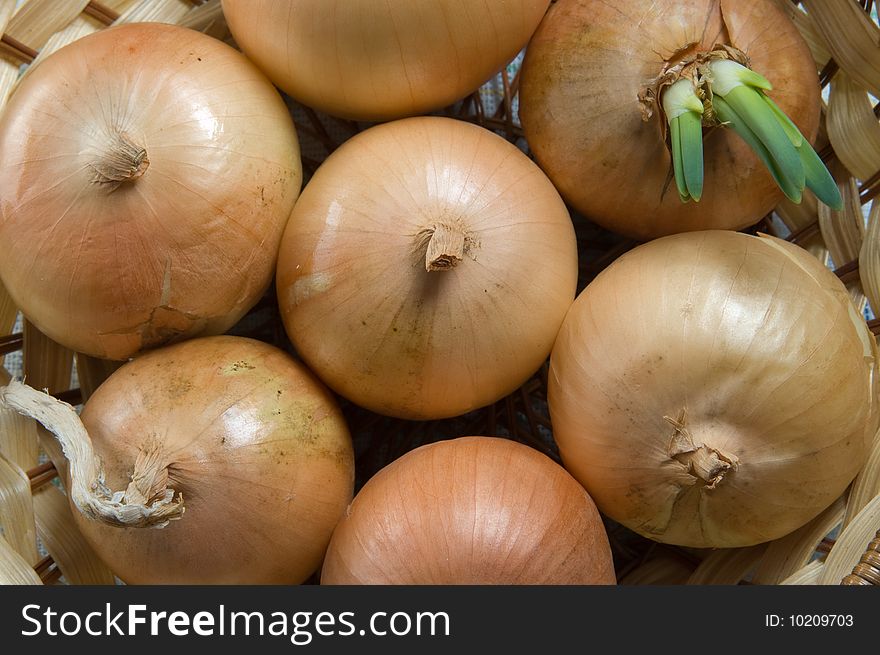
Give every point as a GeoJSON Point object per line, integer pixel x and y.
{"type": "Point", "coordinates": [606, 72]}
{"type": "Point", "coordinates": [735, 96]}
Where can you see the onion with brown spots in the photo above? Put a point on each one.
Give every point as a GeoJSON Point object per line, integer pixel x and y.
{"type": "Point", "coordinates": [228, 444]}
{"type": "Point", "coordinates": [426, 269]}
{"type": "Point", "coordinates": [146, 175]}
{"type": "Point", "coordinates": [714, 389]}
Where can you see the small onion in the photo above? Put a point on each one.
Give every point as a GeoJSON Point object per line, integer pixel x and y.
{"type": "Point", "coordinates": [371, 60]}
{"type": "Point", "coordinates": [257, 448]}
{"type": "Point", "coordinates": [584, 72]}
{"type": "Point", "coordinates": [714, 389]}
{"type": "Point", "coordinates": [426, 269]}
{"type": "Point", "coordinates": [473, 510]}
{"type": "Point", "coordinates": [146, 175]}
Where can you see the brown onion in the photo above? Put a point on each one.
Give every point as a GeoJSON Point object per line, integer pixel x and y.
{"type": "Point", "coordinates": [146, 175]}
{"type": "Point", "coordinates": [582, 77]}
{"type": "Point", "coordinates": [373, 60]}
{"type": "Point", "coordinates": [244, 436]}
{"type": "Point", "coordinates": [426, 268]}
{"type": "Point", "coordinates": [714, 389]}
{"type": "Point", "coordinates": [473, 510]}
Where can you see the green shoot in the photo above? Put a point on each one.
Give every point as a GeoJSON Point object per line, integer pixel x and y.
{"type": "Point", "coordinates": [684, 112]}
{"type": "Point", "coordinates": [740, 102]}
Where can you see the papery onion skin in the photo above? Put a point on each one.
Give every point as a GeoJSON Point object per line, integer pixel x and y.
{"type": "Point", "coordinates": [187, 245]}
{"type": "Point", "coordinates": [352, 285]}
{"type": "Point", "coordinates": [255, 444]}
{"type": "Point", "coordinates": [369, 60]}
{"type": "Point", "coordinates": [473, 510]}
{"type": "Point", "coordinates": [585, 67]}
{"type": "Point", "coordinates": [751, 346]}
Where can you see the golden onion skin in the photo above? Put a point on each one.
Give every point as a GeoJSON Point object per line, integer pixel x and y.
{"type": "Point", "coordinates": [714, 389]}
{"type": "Point", "coordinates": [370, 60]}
{"type": "Point", "coordinates": [579, 103]}
{"type": "Point", "coordinates": [473, 510]}
{"type": "Point", "coordinates": [255, 444]}
{"type": "Point", "coordinates": [353, 289]}
{"type": "Point", "coordinates": [187, 244]}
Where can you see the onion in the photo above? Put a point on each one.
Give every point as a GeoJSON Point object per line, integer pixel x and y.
{"type": "Point", "coordinates": [426, 269]}
{"type": "Point", "coordinates": [371, 60]}
{"type": "Point", "coordinates": [714, 389]}
{"type": "Point", "coordinates": [593, 79]}
{"type": "Point", "coordinates": [473, 510]}
{"type": "Point", "coordinates": [253, 445]}
{"type": "Point", "coordinates": [146, 175]}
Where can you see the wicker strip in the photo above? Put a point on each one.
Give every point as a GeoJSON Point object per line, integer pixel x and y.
{"type": "Point", "coordinates": [844, 231]}
{"type": "Point", "coordinates": [157, 11]}
{"type": "Point", "coordinates": [851, 38]}
{"type": "Point", "coordinates": [7, 8]}
{"type": "Point", "coordinates": [869, 257]}
{"type": "Point", "coordinates": [851, 544]}
{"type": "Point", "coordinates": [64, 541]}
{"type": "Point", "coordinates": [37, 20]}
{"type": "Point", "coordinates": [787, 555]}
{"type": "Point", "coordinates": [78, 28]}
{"type": "Point", "coordinates": [807, 27]}
{"type": "Point", "coordinates": [18, 440]}
{"type": "Point", "coordinates": [803, 221]}
{"type": "Point", "coordinates": [662, 570]}
{"type": "Point", "coordinates": [14, 569]}
{"type": "Point", "coordinates": [853, 128]}
{"type": "Point", "coordinates": [866, 486]}
{"type": "Point", "coordinates": [118, 6]}
{"type": "Point", "coordinates": [727, 566]}
{"type": "Point", "coordinates": [809, 575]}
{"type": "Point", "coordinates": [17, 511]}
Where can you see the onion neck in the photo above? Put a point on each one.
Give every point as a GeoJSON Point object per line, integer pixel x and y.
{"type": "Point", "coordinates": [445, 246]}
{"type": "Point", "coordinates": [705, 464]}
{"type": "Point", "coordinates": [147, 502]}
{"type": "Point", "coordinates": [123, 160]}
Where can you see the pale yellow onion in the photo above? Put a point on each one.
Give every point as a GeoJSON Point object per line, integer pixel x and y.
{"type": "Point", "coordinates": [146, 175]}
{"type": "Point", "coordinates": [714, 389]}
{"type": "Point", "coordinates": [579, 101]}
{"type": "Point", "coordinates": [473, 510]}
{"type": "Point", "coordinates": [426, 193]}
{"type": "Point", "coordinates": [372, 60]}
{"type": "Point", "coordinates": [229, 443]}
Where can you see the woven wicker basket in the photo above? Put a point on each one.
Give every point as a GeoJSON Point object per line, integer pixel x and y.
{"type": "Point", "coordinates": [39, 542]}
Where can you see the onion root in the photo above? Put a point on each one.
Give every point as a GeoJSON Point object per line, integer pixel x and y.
{"type": "Point", "coordinates": [147, 502]}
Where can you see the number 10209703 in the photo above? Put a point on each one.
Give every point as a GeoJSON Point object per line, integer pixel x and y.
{"type": "Point", "coordinates": [809, 621]}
